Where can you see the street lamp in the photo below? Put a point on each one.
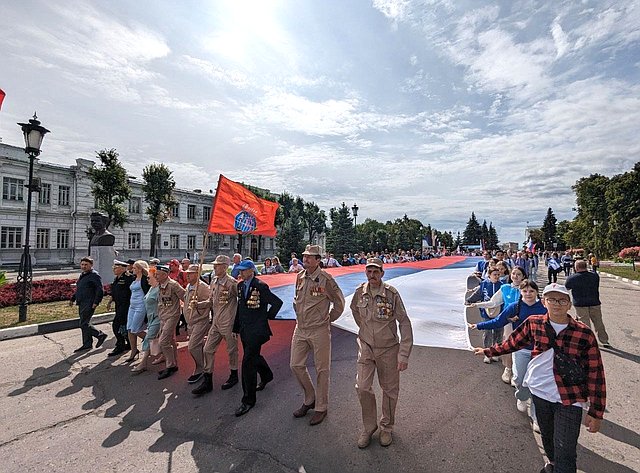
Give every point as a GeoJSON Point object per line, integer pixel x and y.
{"type": "Point", "coordinates": [354, 209]}
{"type": "Point", "coordinates": [33, 136]}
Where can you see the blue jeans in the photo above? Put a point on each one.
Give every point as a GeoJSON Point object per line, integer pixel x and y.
{"type": "Point", "coordinates": [521, 360]}
{"type": "Point", "coordinates": [559, 428]}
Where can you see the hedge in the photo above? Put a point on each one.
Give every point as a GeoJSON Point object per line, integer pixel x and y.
{"type": "Point", "coordinates": [46, 290]}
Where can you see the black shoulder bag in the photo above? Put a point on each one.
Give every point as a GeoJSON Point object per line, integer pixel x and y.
{"type": "Point", "coordinates": [569, 369]}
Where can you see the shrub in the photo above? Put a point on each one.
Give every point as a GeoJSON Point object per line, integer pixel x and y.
{"type": "Point", "coordinates": [3, 278]}
{"type": "Point", "coordinates": [46, 290]}
{"type": "Point", "coordinates": [631, 253]}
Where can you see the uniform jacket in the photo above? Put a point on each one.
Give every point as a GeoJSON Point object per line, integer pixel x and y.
{"type": "Point", "coordinates": [202, 308]}
{"type": "Point", "coordinates": [313, 298]}
{"type": "Point", "coordinates": [171, 293]}
{"type": "Point", "coordinates": [121, 292]}
{"type": "Point", "coordinates": [379, 315]}
{"type": "Point", "coordinates": [224, 300]}
{"type": "Point", "coordinates": [89, 289]}
{"type": "Point", "coordinates": [252, 322]}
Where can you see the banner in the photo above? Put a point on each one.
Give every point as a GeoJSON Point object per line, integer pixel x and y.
{"type": "Point", "coordinates": [238, 210]}
{"type": "Point", "coordinates": [2, 95]}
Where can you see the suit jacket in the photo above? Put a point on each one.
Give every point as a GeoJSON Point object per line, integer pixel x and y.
{"type": "Point", "coordinates": [252, 323]}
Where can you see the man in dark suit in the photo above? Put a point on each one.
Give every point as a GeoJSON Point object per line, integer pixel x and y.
{"type": "Point", "coordinates": [256, 305]}
{"type": "Point", "coordinates": [88, 295]}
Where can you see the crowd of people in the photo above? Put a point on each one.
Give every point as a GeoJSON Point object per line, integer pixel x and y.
{"type": "Point", "coordinates": [550, 357]}
{"type": "Point", "coordinates": [149, 299]}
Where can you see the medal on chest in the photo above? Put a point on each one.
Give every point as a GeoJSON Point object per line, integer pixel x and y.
{"type": "Point", "coordinates": [384, 308]}
{"type": "Point", "coordinates": [223, 296]}
{"type": "Point", "coordinates": [253, 302]}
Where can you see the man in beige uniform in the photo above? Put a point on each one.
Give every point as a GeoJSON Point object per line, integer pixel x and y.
{"type": "Point", "coordinates": [197, 306]}
{"type": "Point", "coordinates": [315, 292]}
{"type": "Point", "coordinates": [171, 293]}
{"type": "Point", "coordinates": [224, 300]}
{"type": "Point", "coordinates": [378, 310]}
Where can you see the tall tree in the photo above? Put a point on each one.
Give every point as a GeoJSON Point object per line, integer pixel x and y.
{"type": "Point", "coordinates": [341, 236]}
{"type": "Point", "coordinates": [493, 237]}
{"type": "Point", "coordinates": [484, 232]}
{"type": "Point", "coordinates": [549, 229]}
{"type": "Point", "coordinates": [473, 232]}
{"type": "Point", "coordinates": [110, 187]}
{"type": "Point", "coordinates": [158, 193]}
{"type": "Point", "coordinates": [623, 207]}
{"type": "Point", "coordinates": [290, 238]}
{"type": "Point", "coordinates": [314, 220]}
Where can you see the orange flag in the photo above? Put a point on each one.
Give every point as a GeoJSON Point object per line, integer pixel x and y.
{"type": "Point", "coordinates": [238, 210]}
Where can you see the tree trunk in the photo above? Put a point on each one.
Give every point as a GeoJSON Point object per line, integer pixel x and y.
{"type": "Point", "coordinates": [154, 233]}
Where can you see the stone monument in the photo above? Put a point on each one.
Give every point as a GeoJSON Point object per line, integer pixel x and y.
{"type": "Point", "coordinates": [101, 246]}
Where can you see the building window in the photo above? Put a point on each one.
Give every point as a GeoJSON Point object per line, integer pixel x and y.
{"type": "Point", "coordinates": [191, 242]}
{"type": "Point", "coordinates": [134, 241]}
{"type": "Point", "coordinates": [135, 205]}
{"type": "Point", "coordinates": [174, 242]}
{"type": "Point", "coordinates": [62, 239]}
{"type": "Point", "coordinates": [158, 241]}
{"type": "Point", "coordinates": [11, 237]}
{"type": "Point", "coordinates": [64, 194]}
{"type": "Point", "coordinates": [226, 241]}
{"type": "Point", "coordinates": [42, 238]}
{"type": "Point", "coordinates": [175, 211]}
{"type": "Point", "coordinates": [12, 188]}
{"type": "Point", "coordinates": [45, 194]}
{"type": "Point", "coordinates": [191, 212]}
{"type": "Point", "coordinates": [206, 213]}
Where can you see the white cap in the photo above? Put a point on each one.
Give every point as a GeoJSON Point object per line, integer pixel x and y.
{"type": "Point", "coordinates": [554, 287]}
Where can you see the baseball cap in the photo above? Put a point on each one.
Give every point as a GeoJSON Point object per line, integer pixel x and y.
{"type": "Point", "coordinates": [554, 287]}
{"type": "Point", "coordinates": [246, 264]}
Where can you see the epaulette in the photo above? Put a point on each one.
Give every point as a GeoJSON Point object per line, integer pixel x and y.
{"type": "Point", "coordinates": [390, 288]}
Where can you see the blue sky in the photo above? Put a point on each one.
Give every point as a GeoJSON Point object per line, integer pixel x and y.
{"type": "Point", "coordinates": [430, 108]}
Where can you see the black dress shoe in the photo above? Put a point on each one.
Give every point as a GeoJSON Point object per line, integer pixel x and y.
{"type": "Point", "coordinates": [194, 378]}
{"type": "Point", "coordinates": [118, 351]}
{"type": "Point", "coordinates": [243, 409]}
{"type": "Point", "coordinates": [165, 373]}
{"type": "Point", "coordinates": [263, 384]}
{"type": "Point", "coordinates": [101, 338]}
{"type": "Point", "coordinates": [231, 382]}
{"type": "Point", "coordinates": [82, 348]}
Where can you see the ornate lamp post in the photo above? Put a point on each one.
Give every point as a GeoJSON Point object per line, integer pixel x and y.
{"type": "Point", "coordinates": [354, 209]}
{"type": "Point", "coordinates": [33, 136]}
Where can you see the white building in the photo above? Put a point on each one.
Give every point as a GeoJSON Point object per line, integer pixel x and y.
{"type": "Point", "coordinates": [61, 212]}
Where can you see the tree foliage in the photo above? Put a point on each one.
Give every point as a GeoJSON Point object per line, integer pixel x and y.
{"type": "Point", "coordinates": [158, 189]}
{"type": "Point", "coordinates": [473, 232]}
{"type": "Point", "coordinates": [341, 236]}
{"type": "Point", "coordinates": [314, 220]}
{"type": "Point", "coordinates": [110, 187]}
{"type": "Point", "coordinates": [549, 230]}
{"type": "Point", "coordinates": [290, 237]}
{"type": "Point", "coordinates": [492, 239]}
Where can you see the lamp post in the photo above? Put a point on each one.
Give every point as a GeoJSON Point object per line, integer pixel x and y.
{"type": "Point", "coordinates": [33, 135]}
{"type": "Point", "coordinates": [595, 237]}
{"type": "Point", "coordinates": [354, 209]}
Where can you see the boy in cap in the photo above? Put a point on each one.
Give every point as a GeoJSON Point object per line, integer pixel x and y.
{"type": "Point", "coordinates": [224, 301]}
{"type": "Point", "coordinates": [378, 311]}
{"type": "Point", "coordinates": [559, 342]}
{"type": "Point", "coordinates": [121, 297]}
{"type": "Point", "coordinates": [256, 305]}
{"type": "Point", "coordinates": [317, 301]}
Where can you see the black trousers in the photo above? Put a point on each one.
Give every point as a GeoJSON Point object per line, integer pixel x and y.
{"type": "Point", "coordinates": [553, 274]}
{"type": "Point", "coordinates": [119, 326]}
{"type": "Point", "coordinates": [253, 363]}
{"type": "Point", "coordinates": [559, 428]}
{"type": "Point", "coordinates": [88, 330]}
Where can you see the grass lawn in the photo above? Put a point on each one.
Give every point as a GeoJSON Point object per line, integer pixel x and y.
{"type": "Point", "coordinates": [48, 312]}
{"type": "Point", "coordinates": [623, 271]}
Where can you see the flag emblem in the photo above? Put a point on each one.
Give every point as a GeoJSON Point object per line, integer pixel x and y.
{"type": "Point", "coordinates": [244, 222]}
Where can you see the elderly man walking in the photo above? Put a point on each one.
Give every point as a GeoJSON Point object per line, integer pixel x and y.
{"type": "Point", "coordinates": [171, 293]}
{"type": "Point", "coordinates": [224, 301]}
{"type": "Point", "coordinates": [197, 307]}
{"type": "Point", "coordinates": [585, 292]}
{"type": "Point", "coordinates": [88, 296]}
{"type": "Point", "coordinates": [378, 311]}
{"type": "Point", "coordinates": [318, 301]}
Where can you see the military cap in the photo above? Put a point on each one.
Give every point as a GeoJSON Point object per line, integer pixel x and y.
{"type": "Point", "coordinates": [193, 268]}
{"type": "Point", "coordinates": [164, 268]}
{"type": "Point", "coordinates": [312, 250]}
{"type": "Point", "coordinates": [119, 263]}
{"type": "Point", "coordinates": [377, 262]}
{"type": "Point", "coordinates": [222, 259]}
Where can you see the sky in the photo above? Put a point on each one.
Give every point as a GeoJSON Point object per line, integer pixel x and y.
{"type": "Point", "coordinates": [433, 108]}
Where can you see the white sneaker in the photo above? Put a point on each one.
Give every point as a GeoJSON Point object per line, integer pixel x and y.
{"type": "Point", "coordinates": [495, 358]}
{"type": "Point", "coordinates": [513, 383]}
{"type": "Point", "coordinates": [487, 359]}
{"type": "Point", "coordinates": [536, 427]}
{"type": "Point", "coordinates": [506, 375]}
{"type": "Point", "coordinates": [521, 405]}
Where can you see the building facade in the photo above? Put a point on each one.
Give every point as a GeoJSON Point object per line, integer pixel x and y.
{"type": "Point", "coordinates": [61, 213]}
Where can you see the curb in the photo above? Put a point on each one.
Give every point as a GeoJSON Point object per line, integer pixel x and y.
{"type": "Point", "coordinates": [620, 278]}
{"type": "Point", "coordinates": [50, 327]}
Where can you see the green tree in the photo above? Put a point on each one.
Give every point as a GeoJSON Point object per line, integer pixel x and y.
{"type": "Point", "coordinates": [457, 242]}
{"type": "Point", "coordinates": [158, 193]}
{"type": "Point", "coordinates": [473, 232]}
{"type": "Point", "coordinates": [549, 229]}
{"type": "Point", "coordinates": [590, 224]}
{"type": "Point", "coordinates": [484, 232]}
{"type": "Point", "coordinates": [493, 239]}
{"type": "Point", "coordinates": [445, 238]}
{"type": "Point", "coordinates": [623, 206]}
{"type": "Point", "coordinates": [290, 238]}
{"type": "Point", "coordinates": [110, 187]}
{"type": "Point", "coordinates": [314, 220]}
{"type": "Point", "coordinates": [341, 235]}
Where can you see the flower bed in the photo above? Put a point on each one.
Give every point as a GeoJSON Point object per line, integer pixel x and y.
{"type": "Point", "coordinates": [47, 290]}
